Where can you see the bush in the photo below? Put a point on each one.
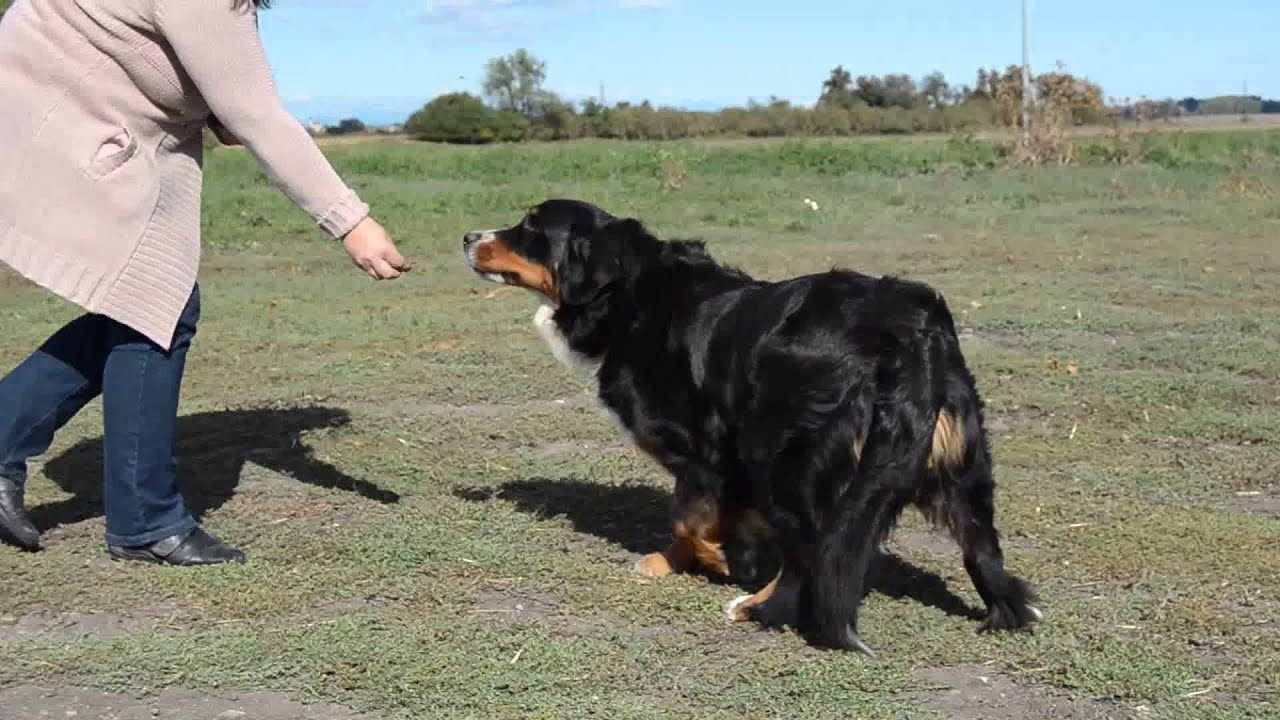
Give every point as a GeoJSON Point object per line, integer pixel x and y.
{"type": "Point", "coordinates": [347, 127]}
{"type": "Point", "coordinates": [463, 119]}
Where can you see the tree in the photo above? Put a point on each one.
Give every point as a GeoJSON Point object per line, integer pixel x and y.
{"type": "Point", "coordinates": [888, 91]}
{"type": "Point", "coordinates": [347, 127]}
{"type": "Point", "coordinates": [935, 89]}
{"type": "Point", "coordinates": [870, 90]}
{"type": "Point", "coordinates": [515, 82]}
{"type": "Point", "coordinates": [1080, 100]}
{"type": "Point", "coordinates": [463, 118]}
{"type": "Point", "coordinates": [837, 89]}
{"type": "Point", "coordinates": [555, 118]}
{"type": "Point", "coordinates": [4, 5]}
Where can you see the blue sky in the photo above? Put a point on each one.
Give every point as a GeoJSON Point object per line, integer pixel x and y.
{"type": "Point", "coordinates": [381, 59]}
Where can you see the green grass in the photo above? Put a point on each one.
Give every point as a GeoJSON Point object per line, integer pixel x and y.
{"type": "Point", "coordinates": [405, 464]}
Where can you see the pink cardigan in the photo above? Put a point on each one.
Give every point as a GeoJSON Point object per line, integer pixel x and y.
{"type": "Point", "coordinates": [101, 109]}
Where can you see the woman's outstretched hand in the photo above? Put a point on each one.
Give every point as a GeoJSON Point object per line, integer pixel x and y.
{"type": "Point", "coordinates": [372, 251]}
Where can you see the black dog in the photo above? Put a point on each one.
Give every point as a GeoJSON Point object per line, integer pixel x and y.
{"type": "Point", "coordinates": [825, 403]}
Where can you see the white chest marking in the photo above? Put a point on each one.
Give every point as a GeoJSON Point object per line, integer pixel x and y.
{"type": "Point", "coordinates": [544, 322]}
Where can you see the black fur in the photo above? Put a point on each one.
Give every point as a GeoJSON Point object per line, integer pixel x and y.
{"type": "Point", "coordinates": [752, 393]}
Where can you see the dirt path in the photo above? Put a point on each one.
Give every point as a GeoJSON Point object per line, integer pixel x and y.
{"type": "Point", "coordinates": [32, 702]}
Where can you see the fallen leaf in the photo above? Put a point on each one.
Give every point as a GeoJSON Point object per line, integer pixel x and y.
{"type": "Point", "coordinates": [1072, 368]}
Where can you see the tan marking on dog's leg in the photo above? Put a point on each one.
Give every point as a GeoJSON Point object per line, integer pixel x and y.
{"type": "Point", "coordinates": [710, 555]}
{"type": "Point", "coordinates": [738, 609]}
{"type": "Point", "coordinates": [702, 534]}
{"type": "Point", "coordinates": [703, 527]}
{"type": "Point", "coordinates": [677, 558]}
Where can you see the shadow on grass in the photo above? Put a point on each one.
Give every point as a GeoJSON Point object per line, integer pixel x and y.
{"type": "Point", "coordinates": [637, 518]}
{"type": "Point", "coordinates": [212, 450]}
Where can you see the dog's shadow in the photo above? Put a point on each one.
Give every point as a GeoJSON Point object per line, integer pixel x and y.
{"type": "Point", "coordinates": [212, 450]}
{"type": "Point", "coordinates": [637, 518]}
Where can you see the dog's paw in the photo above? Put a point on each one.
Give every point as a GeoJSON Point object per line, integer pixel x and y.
{"type": "Point", "coordinates": [737, 609]}
{"type": "Point", "coordinates": [1004, 617]}
{"type": "Point", "coordinates": [653, 565]}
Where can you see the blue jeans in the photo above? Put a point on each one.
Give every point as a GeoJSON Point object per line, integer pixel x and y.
{"type": "Point", "coordinates": [139, 383]}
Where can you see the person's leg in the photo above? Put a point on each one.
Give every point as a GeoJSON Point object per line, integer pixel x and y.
{"type": "Point", "coordinates": [146, 516]}
{"type": "Point", "coordinates": [37, 398]}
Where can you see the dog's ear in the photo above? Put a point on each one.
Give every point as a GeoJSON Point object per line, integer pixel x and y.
{"type": "Point", "coordinates": [596, 258]}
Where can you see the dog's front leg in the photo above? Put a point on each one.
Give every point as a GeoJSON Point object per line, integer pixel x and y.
{"type": "Point", "coordinates": [698, 529]}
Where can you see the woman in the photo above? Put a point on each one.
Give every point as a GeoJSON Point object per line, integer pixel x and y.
{"type": "Point", "coordinates": [100, 174]}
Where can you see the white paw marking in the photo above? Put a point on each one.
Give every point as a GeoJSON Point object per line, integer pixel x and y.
{"type": "Point", "coordinates": [731, 607]}
{"type": "Point", "coordinates": [1036, 612]}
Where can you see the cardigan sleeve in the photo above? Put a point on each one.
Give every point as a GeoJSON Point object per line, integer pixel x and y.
{"type": "Point", "coordinates": [219, 47]}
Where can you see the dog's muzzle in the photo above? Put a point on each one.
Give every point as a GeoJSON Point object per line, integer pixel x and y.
{"type": "Point", "coordinates": [473, 240]}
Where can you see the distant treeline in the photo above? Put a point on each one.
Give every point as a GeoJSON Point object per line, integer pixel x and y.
{"type": "Point", "coordinates": [515, 106]}
{"type": "Point", "coordinates": [1229, 105]}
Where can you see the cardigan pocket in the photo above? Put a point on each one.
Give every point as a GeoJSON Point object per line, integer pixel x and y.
{"type": "Point", "coordinates": [113, 153]}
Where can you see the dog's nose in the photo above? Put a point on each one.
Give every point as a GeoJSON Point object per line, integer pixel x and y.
{"type": "Point", "coordinates": [470, 237]}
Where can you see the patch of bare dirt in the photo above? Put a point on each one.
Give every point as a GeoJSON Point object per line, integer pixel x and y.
{"type": "Point", "coordinates": [971, 338]}
{"type": "Point", "coordinates": [1259, 502]}
{"type": "Point", "coordinates": [532, 608]}
{"type": "Point", "coordinates": [1255, 613]}
{"type": "Point", "coordinates": [32, 702]}
{"type": "Point", "coordinates": [939, 544]}
{"type": "Point", "coordinates": [76, 626]}
{"type": "Point", "coordinates": [977, 692]}
{"type": "Point", "coordinates": [416, 407]}
{"type": "Point", "coordinates": [568, 448]}
{"type": "Point", "coordinates": [923, 541]}
{"type": "Point", "coordinates": [1006, 420]}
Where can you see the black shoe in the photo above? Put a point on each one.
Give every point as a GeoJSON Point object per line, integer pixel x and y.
{"type": "Point", "coordinates": [196, 547]}
{"type": "Point", "coordinates": [15, 526]}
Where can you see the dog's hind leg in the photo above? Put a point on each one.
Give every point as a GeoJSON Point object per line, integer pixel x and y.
{"type": "Point", "coordinates": [889, 460]}
{"type": "Point", "coordinates": [968, 509]}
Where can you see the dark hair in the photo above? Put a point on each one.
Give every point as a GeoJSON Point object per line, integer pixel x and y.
{"type": "Point", "coordinates": [260, 4]}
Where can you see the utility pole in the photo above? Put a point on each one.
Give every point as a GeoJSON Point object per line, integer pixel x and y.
{"type": "Point", "coordinates": [1026, 77]}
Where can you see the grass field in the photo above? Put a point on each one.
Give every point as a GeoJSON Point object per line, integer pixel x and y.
{"type": "Point", "coordinates": [440, 524]}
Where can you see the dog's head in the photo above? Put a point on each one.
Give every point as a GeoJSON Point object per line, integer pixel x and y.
{"type": "Point", "coordinates": [569, 251]}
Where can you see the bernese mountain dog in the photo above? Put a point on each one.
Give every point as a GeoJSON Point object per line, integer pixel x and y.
{"type": "Point", "coordinates": [824, 404]}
